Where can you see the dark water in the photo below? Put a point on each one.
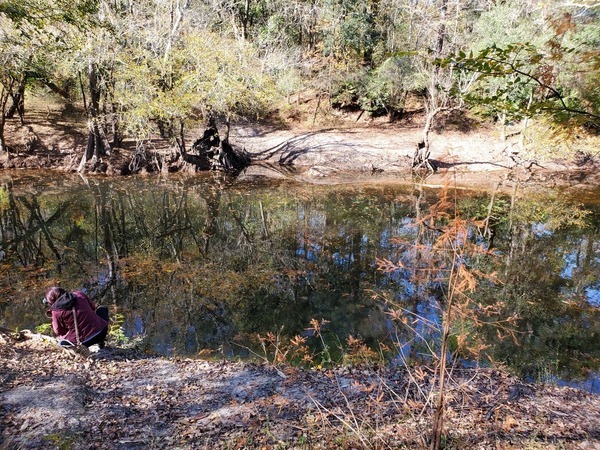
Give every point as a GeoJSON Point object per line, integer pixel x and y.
{"type": "Point", "coordinates": [206, 264]}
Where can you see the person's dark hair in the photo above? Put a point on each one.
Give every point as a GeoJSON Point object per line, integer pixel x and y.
{"type": "Point", "coordinates": [53, 294]}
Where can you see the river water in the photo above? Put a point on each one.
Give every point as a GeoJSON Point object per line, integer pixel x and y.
{"type": "Point", "coordinates": [206, 265]}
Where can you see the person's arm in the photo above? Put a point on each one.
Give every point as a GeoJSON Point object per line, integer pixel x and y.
{"type": "Point", "coordinates": [57, 325]}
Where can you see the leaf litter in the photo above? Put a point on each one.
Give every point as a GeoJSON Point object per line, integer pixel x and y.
{"type": "Point", "coordinates": [124, 399]}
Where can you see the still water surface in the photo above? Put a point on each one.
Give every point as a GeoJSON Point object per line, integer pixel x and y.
{"type": "Point", "coordinates": [198, 264]}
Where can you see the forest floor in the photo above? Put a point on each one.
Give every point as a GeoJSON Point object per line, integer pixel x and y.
{"type": "Point", "coordinates": [344, 148]}
{"type": "Point", "coordinates": [121, 399]}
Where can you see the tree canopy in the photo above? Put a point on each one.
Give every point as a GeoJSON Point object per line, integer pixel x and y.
{"type": "Point", "coordinates": [135, 64]}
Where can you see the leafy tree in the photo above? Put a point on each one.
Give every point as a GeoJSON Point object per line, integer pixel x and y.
{"type": "Point", "coordinates": [208, 76]}
{"type": "Point", "coordinates": [391, 83]}
{"type": "Point", "coordinates": [549, 75]}
{"type": "Point", "coordinates": [32, 36]}
{"type": "Point", "coordinates": [522, 70]}
{"type": "Point", "coordinates": [138, 64]}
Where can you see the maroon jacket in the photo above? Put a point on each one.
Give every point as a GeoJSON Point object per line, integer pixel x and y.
{"type": "Point", "coordinates": [88, 322]}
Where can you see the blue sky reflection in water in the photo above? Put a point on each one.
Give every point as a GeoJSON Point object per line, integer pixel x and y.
{"type": "Point", "coordinates": [201, 263]}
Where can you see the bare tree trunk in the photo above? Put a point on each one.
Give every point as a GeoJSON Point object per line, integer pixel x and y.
{"type": "Point", "coordinates": [245, 19]}
{"type": "Point", "coordinates": [176, 16]}
{"type": "Point", "coordinates": [56, 89]}
{"type": "Point", "coordinates": [85, 105]}
{"type": "Point", "coordinates": [18, 103]}
{"type": "Point", "coordinates": [314, 118]}
{"type": "Point", "coordinates": [502, 118]}
{"type": "Point", "coordinates": [428, 125]}
{"type": "Point", "coordinates": [3, 146]}
{"type": "Point", "coordinates": [180, 139]}
{"type": "Point", "coordinates": [525, 124]}
{"type": "Point", "coordinates": [435, 101]}
{"type": "Point", "coordinates": [117, 139]}
{"type": "Point", "coordinates": [98, 144]}
{"type": "Point", "coordinates": [422, 153]}
{"type": "Point", "coordinates": [442, 28]}
{"type": "Point", "coordinates": [5, 94]}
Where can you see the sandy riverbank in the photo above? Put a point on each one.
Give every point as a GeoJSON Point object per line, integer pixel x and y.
{"type": "Point", "coordinates": [366, 151]}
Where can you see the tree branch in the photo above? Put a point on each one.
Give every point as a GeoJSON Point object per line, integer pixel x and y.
{"type": "Point", "coordinates": [554, 91]}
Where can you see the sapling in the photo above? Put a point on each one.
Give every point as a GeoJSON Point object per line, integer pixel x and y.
{"type": "Point", "coordinates": [438, 263]}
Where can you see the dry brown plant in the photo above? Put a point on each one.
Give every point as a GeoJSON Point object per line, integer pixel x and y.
{"type": "Point", "coordinates": [443, 255]}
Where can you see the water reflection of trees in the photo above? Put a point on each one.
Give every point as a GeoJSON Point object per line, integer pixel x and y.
{"type": "Point", "coordinates": [25, 229]}
{"type": "Point", "coordinates": [196, 262]}
{"type": "Point", "coordinates": [191, 256]}
{"type": "Point", "coordinates": [544, 255]}
{"type": "Point", "coordinates": [547, 245]}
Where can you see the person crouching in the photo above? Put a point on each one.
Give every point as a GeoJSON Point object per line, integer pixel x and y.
{"type": "Point", "coordinates": [71, 310]}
